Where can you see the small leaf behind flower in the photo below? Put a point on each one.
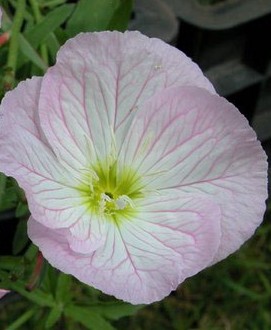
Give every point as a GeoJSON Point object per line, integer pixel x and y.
{"type": "Point", "coordinates": [21, 210]}
{"type": "Point", "coordinates": [9, 262]}
{"type": "Point", "coordinates": [115, 310]}
{"type": "Point", "coordinates": [63, 292]}
{"type": "Point", "coordinates": [54, 315]}
{"type": "Point", "coordinates": [121, 17]}
{"type": "Point", "coordinates": [20, 238]}
{"type": "Point", "coordinates": [37, 296]}
{"type": "Point", "coordinates": [30, 53]}
{"type": "Point", "coordinates": [21, 320]}
{"type": "Point", "coordinates": [89, 16]}
{"type": "Point", "coordinates": [90, 319]}
{"type": "Point", "coordinates": [40, 32]}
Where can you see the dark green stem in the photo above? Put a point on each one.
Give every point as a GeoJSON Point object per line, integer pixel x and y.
{"type": "Point", "coordinates": [14, 44]}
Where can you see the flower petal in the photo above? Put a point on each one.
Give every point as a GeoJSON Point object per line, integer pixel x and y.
{"type": "Point", "coordinates": [188, 139]}
{"type": "Point", "coordinates": [87, 234]}
{"type": "Point", "coordinates": [96, 85]}
{"type": "Point", "coordinates": [19, 109]}
{"type": "Point", "coordinates": [3, 293]}
{"type": "Point", "coordinates": [143, 259]}
{"type": "Point", "coordinates": [25, 155]}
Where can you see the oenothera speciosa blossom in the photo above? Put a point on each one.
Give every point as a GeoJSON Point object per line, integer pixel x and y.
{"type": "Point", "coordinates": [137, 174]}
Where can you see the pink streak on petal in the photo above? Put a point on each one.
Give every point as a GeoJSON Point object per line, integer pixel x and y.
{"type": "Point", "coordinates": [188, 139]}
{"type": "Point", "coordinates": [143, 259]}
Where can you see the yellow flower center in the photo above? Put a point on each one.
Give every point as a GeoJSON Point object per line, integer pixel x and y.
{"type": "Point", "coordinates": [110, 191]}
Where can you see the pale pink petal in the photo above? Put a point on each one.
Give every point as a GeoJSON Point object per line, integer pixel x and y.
{"type": "Point", "coordinates": [25, 155]}
{"type": "Point", "coordinates": [3, 293]}
{"type": "Point", "coordinates": [96, 85]}
{"type": "Point", "coordinates": [19, 109]}
{"type": "Point", "coordinates": [87, 234]}
{"type": "Point", "coordinates": [0, 17]}
{"type": "Point", "coordinates": [188, 139]}
{"type": "Point", "coordinates": [144, 258]}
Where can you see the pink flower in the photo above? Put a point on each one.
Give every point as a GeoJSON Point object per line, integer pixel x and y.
{"type": "Point", "coordinates": [138, 175]}
{"type": "Point", "coordinates": [3, 293]}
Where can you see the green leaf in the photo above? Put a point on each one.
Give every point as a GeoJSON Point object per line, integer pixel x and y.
{"type": "Point", "coordinates": [20, 238]}
{"type": "Point", "coordinates": [54, 315]}
{"type": "Point", "coordinates": [63, 292]}
{"type": "Point", "coordinates": [9, 263]}
{"type": "Point", "coordinates": [266, 283]}
{"type": "Point", "coordinates": [4, 279]}
{"type": "Point", "coordinates": [121, 17]}
{"type": "Point", "coordinates": [31, 53]}
{"type": "Point", "coordinates": [3, 185]}
{"type": "Point", "coordinates": [84, 315]}
{"type": "Point", "coordinates": [37, 296]}
{"type": "Point", "coordinates": [115, 310]}
{"type": "Point", "coordinates": [21, 210]}
{"type": "Point", "coordinates": [40, 32]}
{"type": "Point", "coordinates": [53, 45]}
{"type": "Point", "coordinates": [49, 278]}
{"type": "Point", "coordinates": [52, 3]}
{"type": "Point", "coordinates": [243, 290]}
{"type": "Point", "coordinates": [8, 194]}
{"type": "Point", "coordinates": [94, 15]}
{"type": "Point", "coordinates": [31, 252]}
{"type": "Point", "coordinates": [21, 320]}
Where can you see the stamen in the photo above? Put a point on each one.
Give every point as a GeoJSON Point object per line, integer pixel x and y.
{"type": "Point", "coordinates": [122, 202]}
{"type": "Point", "coordinates": [93, 177]}
{"type": "Point", "coordinates": [102, 203]}
{"type": "Point", "coordinates": [106, 198]}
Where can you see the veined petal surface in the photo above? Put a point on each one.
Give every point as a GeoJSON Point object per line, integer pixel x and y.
{"type": "Point", "coordinates": [19, 109]}
{"type": "Point", "coordinates": [190, 140]}
{"type": "Point", "coordinates": [136, 173]}
{"type": "Point", "coordinates": [144, 258]}
{"type": "Point", "coordinates": [97, 84]}
{"type": "Point", "coordinates": [87, 234]}
{"type": "Point", "coordinates": [26, 155]}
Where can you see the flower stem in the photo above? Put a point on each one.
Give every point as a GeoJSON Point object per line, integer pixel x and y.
{"type": "Point", "coordinates": [14, 44]}
{"type": "Point", "coordinates": [36, 272]}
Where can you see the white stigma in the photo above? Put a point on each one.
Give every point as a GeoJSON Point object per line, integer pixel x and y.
{"type": "Point", "coordinates": [123, 201]}
{"type": "Point", "coordinates": [110, 204]}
